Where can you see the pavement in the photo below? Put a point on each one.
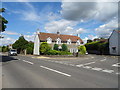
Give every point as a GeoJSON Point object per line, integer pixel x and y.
{"type": "Point", "coordinates": [91, 71]}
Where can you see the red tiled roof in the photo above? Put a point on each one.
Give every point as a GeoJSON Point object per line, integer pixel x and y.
{"type": "Point", "coordinates": [44, 36]}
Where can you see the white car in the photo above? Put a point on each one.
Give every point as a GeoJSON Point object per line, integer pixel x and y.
{"type": "Point", "coordinates": [12, 52]}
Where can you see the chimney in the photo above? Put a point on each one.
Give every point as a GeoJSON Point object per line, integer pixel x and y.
{"type": "Point", "coordinates": [58, 32]}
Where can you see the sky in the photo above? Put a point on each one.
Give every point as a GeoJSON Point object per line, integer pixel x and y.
{"type": "Point", "coordinates": [89, 20]}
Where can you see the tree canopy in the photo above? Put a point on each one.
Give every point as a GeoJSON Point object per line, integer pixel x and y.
{"type": "Point", "coordinates": [20, 44]}
{"type": "Point", "coordinates": [64, 47]}
{"type": "Point", "coordinates": [3, 21]}
{"type": "Point", "coordinates": [55, 47]}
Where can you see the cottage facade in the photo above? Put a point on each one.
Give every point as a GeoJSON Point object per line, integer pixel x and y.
{"type": "Point", "coordinates": [71, 41]}
{"type": "Point", "coordinates": [114, 43]}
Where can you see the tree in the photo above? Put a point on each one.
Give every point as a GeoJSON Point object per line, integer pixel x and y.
{"type": "Point", "coordinates": [20, 44]}
{"type": "Point", "coordinates": [30, 47]}
{"type": "Point", "coordinates": [44, 48]}
{"type": "Point", "coordinates": [5, 49]}
{"type": "Point", "coordinates": [89, 40]}
{"type": "Point", "coordinates": [3, 21]}
{"type": "Point", "coordinates": [55, 47]}
{"type": "Point", "coordinates": [64, 47]}
{"type": "Point", "coordinates": [82, 49]}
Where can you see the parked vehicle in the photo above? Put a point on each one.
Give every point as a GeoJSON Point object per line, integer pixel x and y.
{"type": "Point", "coordinates": [12, 52]}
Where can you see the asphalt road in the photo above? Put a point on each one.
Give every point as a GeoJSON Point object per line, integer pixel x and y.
{"type": "Point", "coordinates": [91, 71]}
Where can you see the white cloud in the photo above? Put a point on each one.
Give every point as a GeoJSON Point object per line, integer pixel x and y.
{"type": "Point", "coordinates": [10, 33]}
{"type": "Point", "coordinates": [106, 29]}
{"type": "Point", "coordinates": [103, 11]}
{"type": "Point", "coordinates": [7, 41]}
{"type": "Point", "coordinates": [64, 26]}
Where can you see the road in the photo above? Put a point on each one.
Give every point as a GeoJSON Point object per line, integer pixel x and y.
{"type": "Point", "coordinates": [91, 71]}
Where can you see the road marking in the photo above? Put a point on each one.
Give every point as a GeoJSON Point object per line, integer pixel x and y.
{"type": "Point", "coordinates": [97, 69]}
{"type": "Point", "coordinates": [92, 57]}
{"type": "Point", "coordinates": [116, 65]}
{"type": "Point", "coordinates": [117, 73]}
{"type": "Point", "coordinates": [55, 71]}
{"type": "Point", "coordinates": [108, 71]}
{"type": "Point", "coordinates": [103, 60]}
{"type": "Point", "coordinates": [87, 67]}
{"type": "Point", "coordinates": [28, 62]}
{"type": "Point", "coordinates": [81, 65]}
{"type": "Point", "coordinates": [18, 59]}
{"type": "Point", "coordinates": [89, 63]}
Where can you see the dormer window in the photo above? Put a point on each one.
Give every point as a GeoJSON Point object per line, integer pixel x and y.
{"type": "Point", "coordinates": [68, 41]}
{"type": "Point", "coordinates": [58, 41]}
{"type": "Point", "coordinates": [49, 40]}
{"type": "Point", "coordinates": [78, 42]}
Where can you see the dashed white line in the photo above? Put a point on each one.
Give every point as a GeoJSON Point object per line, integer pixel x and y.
{"type": "Point", "coordinates": [81, 65]}
{"type": "Point", "coordinates": [116, 65]}
{"type": "Point", "coordinates": [87, 67]}
{"type": "Point", "coordinates": [28, 62]}
{"type": "Point", "coordinates": [117, 73]}
{"type": "Point", "coordinates": [89, 63]}
{"type": "Point", "coordinates": [55, 71]}
{"type": "Point", "coordinates": [108, 71]}
{"type": "Point", "coordinates": [97, 69]}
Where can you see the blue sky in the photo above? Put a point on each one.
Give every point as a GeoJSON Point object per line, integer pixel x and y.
{"type": "Point", "coordinates": [89, 20]}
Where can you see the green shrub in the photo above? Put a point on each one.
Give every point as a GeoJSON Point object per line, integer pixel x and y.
{"type": "Point", "coordinates": [53, 52]}
{"type": "Point", "coordinates": [55, 47]}
{"type": "Point", "coordinates": [64, 53]}
{"type": "Point", "coordinates": [44, 48]}
{"type": "Point", "coordinates": [82, 49]}
{"type": "Point", "coordinates": [5, 49]}
{"type": "Point", "coordinates": [30, 47]}
{"type": "Point", "coordinates": [64, 47]}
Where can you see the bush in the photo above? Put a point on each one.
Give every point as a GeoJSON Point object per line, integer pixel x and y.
{"type": "Point", "coordinates": [82, 50]}
{"type": "Point", "coordinates": [44, 48]}
{"type": "Point", "coordinates": [30, 47]}
{"type": "Point", "coordinates": [55, 52]}
{"type": "Point", "coordinates": [5, 49]}
{"type": "Point", "coordinates": [55, 47]}
{"type": "Point", "coordinates": [64, 47]}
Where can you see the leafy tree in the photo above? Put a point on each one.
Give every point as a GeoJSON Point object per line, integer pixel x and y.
{"type": "Point", "coordinates": [64, 47]}
{"type": "Point", "coordinates": [30, 47]}
{"type": "Point", "coordinates": [82, 49]}
{"type": "Point", "coordinates": [20, 44]}
{"type": "Point", "coordinates": [44, 48]}
{"type": "Point", "coordinates": [55, 47]}
{"type": "Point", "coordinates": [89, 40]}
{"type": "Point", "coordinates": [5, 49]}
{"type": "Point", "coordinates": [3, 21]}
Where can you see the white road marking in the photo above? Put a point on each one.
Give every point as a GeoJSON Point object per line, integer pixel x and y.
{"type": "Point", "coordinates": [81, 65]}
{"type": "Point", "coordinates": [117, 73]}
{"type": "Point", "coordinates": [108, 71]}
{"type": "Point", "coordinates": [18, 59]}
{"type": "Point", "coordinates": [87, 67]}
{"type": "Point", "coordinates": [89, 63]}
{"type": "Point", "coordinates": [28, 62]}
{"type": "Point", "coordinates": [116, 65]}
{"type": "Point", "coordinates": [97, 69]}
{"type": "Point", "coordinates": [55, 71]}
{"type": "Point", "coordinates": [103, 60]}
{"type": "Point", "coordinates": [92, 57]}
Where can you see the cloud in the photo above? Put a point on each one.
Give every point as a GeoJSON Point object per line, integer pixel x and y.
{"type": "Point", "coordinates": [77, 11]}
{"type": "Point", "coordinates": [64, 26]}
{"type": "Point", "coordinates": [10, 33]}
{"type": "Point", "coordinates": [7, 41]}
{"type": "Point", "coordinates": [106, 29]}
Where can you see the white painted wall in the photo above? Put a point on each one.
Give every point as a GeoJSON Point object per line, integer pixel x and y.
{"type": "Point", "coordinates": [114, 41]}
{"type": "Point", "coordinates": [36, 45]}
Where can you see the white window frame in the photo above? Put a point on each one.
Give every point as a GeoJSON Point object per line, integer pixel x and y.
{"type": "Point", "coordinates": [78, 42]}
{"type": "Point", "coordinates": [69, 41]}
{"type": "Point", "coordinates": [49, 40]}
{"type": "Point", "coordinates": [58, 41]}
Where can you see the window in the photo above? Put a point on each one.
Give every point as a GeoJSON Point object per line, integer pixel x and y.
{"type": "Point", "coordinates": [68, 41]}
{"type": "Point", "coordinates": [58, 41]}
{"type": "Point", "coordinates": [78, 42]}
{"type": "Point", "coordinates": [114, 49]}
{"type": "Point", "coordinates": [49, 40]}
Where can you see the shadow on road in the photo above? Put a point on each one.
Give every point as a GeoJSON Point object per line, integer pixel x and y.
{"type": "Point", "coordinates": [7, 58]}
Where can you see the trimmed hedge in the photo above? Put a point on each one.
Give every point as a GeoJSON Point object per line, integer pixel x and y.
{"type": "Point", "coordinates": [55, 52]}
{"type": "Point", "coordinates": [82, 50]}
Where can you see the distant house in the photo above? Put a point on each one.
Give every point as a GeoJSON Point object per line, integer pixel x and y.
{"type": "Point", "coordinates": [71, 41]}
{"type": "Point", "coordinates": [114, 43]}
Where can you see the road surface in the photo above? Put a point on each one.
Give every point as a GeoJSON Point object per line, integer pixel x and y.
{"type": "Point", "coordinates": [91, 71]}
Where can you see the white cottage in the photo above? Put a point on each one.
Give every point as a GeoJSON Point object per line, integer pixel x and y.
{"type": "Point", "coordinates": [71, 41]}
{"type": "Point", "coordinates": [114, 43]}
